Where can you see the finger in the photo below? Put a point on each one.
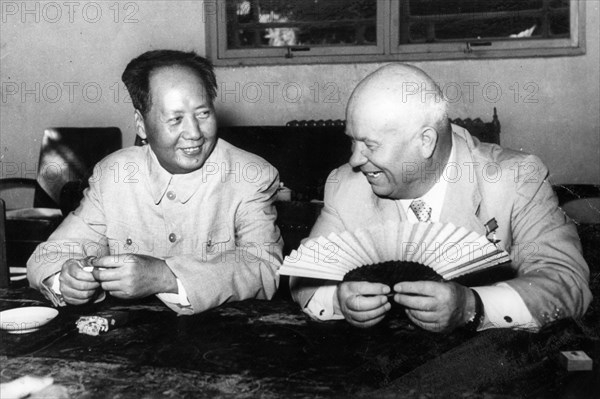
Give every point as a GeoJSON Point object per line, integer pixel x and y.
{"type": "Point", "coordinates": [120, 294]}
{"type": "Point", "coordinates": [362, 303]}
{"type": "Point", "coordinates": [75, 271]}
{"type": "Point", "coordinates": [76, 295]}
{"type": "Point", "coordinates": [433, 326]}
{"type": "Point", "coordinates": [417, 302]}
{"type": "Point", "coordinates": [78, 274]}
{"type": "Point", "coordinates": [77, 284]}
{"type": "Point", "coordinates": [110, 274]}
{"type": "Point", "coordinates": [112, 286]}
{"type": "Point", "coordinates": [24, 386]}
{"type": "Point", "coordinates": [367, 288]}
{"type": "Point", "coordinates": [368, 323]}
{"type": "Point", "coordinates": [370, 314]}
{"type": "Point", "coordinates": [110, 261]}
{"type": "Point", "coordinates": [76, 288]}
{"type": "Point", "coordinates": [424, 317]}
{"type": "Point", "coordinates": [84, 276]}
{"type": "Point", "coordinates": [75, 301]}
{"type": "Point", "coordinates": [423, 288]}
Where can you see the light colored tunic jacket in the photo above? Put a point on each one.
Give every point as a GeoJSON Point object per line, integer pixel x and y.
{"type": "Point", "coordinates": [214, 227]}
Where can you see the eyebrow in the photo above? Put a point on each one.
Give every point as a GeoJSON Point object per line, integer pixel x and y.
{"type": "Point", "coordinates": [360, 138]}
{"type": "Point", "coordinates": [204, 105]}
{"type": "Point", "coordinates": [179, 111]}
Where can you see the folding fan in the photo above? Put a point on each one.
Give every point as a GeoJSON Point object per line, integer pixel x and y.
{"type": "Point", "coordinates": [393, 252]}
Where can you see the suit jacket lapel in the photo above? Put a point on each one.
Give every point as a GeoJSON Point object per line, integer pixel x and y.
{"type": "Point", "coordinates": [463, 199]}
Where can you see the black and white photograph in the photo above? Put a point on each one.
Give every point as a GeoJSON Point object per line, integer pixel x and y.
{"type": "Point", "coordinates": [299, 199]}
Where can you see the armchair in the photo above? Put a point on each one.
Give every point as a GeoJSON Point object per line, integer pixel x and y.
{"type": "Point", "coordinates": [66, 155]}
{"type": "Point", "coordinates": [581, 202]}
{"type": "Point", "coordinates": [487, 132]}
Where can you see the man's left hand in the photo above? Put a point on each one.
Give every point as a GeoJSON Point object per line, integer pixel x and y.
{"type": "Point", "coordinates": [131, 276]}
{"type": "Point", "coordinates": [434, 306]}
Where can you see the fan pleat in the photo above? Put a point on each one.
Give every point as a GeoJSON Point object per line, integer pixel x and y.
{"type": "Point", "coordinates": [330, 253]}
{"type": "Point", "coordinates": [444, 248]}
{"type": "Point", "coordinates": [390, 240]}
{"type": "Point", "coordinates": [345, 248]}
{"type": "Point", "coordinates": [442, 236]}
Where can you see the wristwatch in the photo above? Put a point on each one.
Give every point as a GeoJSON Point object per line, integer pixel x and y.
{"type": "Point", "coordinates": [475, 321]}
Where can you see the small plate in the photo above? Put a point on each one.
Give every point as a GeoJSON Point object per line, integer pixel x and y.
{"type": "Point", "coordinates": [27, 319]}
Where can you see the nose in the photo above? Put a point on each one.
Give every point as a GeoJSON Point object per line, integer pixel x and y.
{"type": "Point", "coordinates": [191, 129]}
{"type": "Point", "coordinates": [357, 159]}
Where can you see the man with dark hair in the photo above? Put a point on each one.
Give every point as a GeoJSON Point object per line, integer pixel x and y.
{"type": "Point", "coordinates": [410, 164]}
{"type": "Point", "coordinates": [136, 75]}
{"type": "Point", "coordinates": [187, 217]}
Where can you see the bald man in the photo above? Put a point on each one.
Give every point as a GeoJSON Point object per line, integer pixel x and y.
{"type": "Point", "coordinates": [405, 153]}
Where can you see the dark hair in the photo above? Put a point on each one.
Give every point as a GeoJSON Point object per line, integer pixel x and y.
{"type": "Point", "coordinates": [137, 74]}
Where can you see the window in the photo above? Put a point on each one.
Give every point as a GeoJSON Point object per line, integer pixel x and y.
{"type": "Point", "coordinates": [314, 31]}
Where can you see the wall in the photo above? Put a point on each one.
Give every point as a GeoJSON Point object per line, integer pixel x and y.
{"type": "Point", "coordinates": [60, 65]}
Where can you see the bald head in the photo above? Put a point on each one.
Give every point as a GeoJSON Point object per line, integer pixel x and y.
{"type": "Point", "coordinates": [402, 92]}
{"type": "Point", "coordinates": [397, 119]}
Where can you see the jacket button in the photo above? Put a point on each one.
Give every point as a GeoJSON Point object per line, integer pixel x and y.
{"type": "Point", "coordinates": [172, 237]}
{"type": "Point", "coordinates": [171, 195]}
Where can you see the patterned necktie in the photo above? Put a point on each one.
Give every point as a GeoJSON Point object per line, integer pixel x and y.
{"type": "Point", "coordinates": [421, 210]}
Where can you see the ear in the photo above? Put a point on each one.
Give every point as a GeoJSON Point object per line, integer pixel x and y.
{"type": "Point", "coordinates": [140, 126]}
{"type": "Point", "coordinates": [429, 138]}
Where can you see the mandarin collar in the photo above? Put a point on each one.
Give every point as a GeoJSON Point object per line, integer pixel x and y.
{"type": "Point", "coordinates": [185, 184]}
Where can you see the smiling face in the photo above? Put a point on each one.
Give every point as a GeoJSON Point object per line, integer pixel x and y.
{"type": "Point", "coordinates": [386, 148]}
{"type": "Point", "coordinates": [400, 140]}
{"type": "Point", "coordinates": [180, 125]}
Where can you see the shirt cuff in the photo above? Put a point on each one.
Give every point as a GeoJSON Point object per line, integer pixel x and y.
{"type": "Point", "coordinates": [504, 308]}
{"type": "Point", "coordinates": [50, 288]}
{"type": "Point", "coordinates": [180, 299]}
{"type": "Point", "coordinates": [56, 284]}
{"type": "Point", "coordinates": [320, 306]}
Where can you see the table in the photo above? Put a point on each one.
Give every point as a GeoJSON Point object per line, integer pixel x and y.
{"type": "Point", "coordinates": [270, 349]}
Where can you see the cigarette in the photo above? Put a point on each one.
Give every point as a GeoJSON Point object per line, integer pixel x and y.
{"type": "Point", "coordinates": [86, 263]}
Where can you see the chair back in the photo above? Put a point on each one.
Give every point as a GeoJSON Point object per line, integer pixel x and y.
{"type": "Point", "coordinates": [68, 154]}
{"type": "Point", "coordinates": [303, 155]}
{"type": "Point", "coordinates": [581, 202]}
{"type": "Point", "coordinates": [487, 132]}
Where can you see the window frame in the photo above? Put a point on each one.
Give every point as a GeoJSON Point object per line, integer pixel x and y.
{"type": "Point", "coordinates": [388, 47]}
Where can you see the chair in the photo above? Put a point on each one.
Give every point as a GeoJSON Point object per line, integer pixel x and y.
{"type": "Point", "coordinates": [66, 155]}
{"type": "Point", "coordinates": [581, 202]}
{"type": "Point", "coordinates": [487, 132]}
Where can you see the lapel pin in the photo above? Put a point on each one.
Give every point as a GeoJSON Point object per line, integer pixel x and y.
{"type": "Point", "coordinates": [490, 229]}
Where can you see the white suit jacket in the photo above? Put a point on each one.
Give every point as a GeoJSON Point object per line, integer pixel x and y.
{"type": "Point", "coordinates": [488, 182]}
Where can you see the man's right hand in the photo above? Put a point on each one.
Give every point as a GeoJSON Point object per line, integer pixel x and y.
{"type": "Point", "coordinates": [76, 285]}
{"type": "Point", "coordinates": [363, 304]}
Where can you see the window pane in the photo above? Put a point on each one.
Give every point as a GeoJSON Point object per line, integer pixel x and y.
{"type": "Point", "coordinates": [274, 23]}
{"type": "Point", "coordinates": [427, 21]}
